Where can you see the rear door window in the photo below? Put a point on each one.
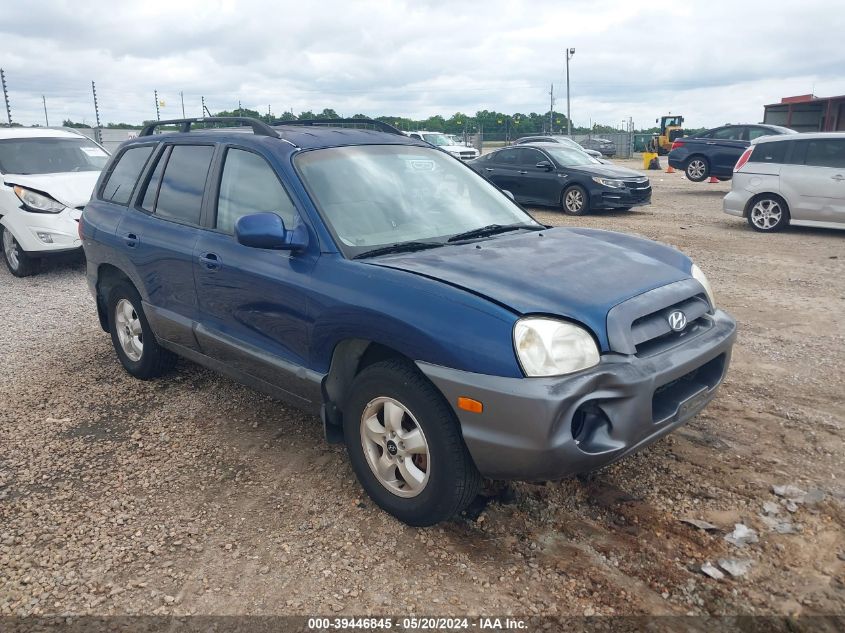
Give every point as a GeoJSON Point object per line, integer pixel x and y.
{"type": "Point", "coordinates": [148, 203]}
{"type": "Point", "coordinates": [825, 152]}
{"type": "Point", "coordinates": [769, 153]}
{"type": "Point", "coordinates": [183, 183]}
{"type": "Point", "coordinates": [124, 174]}
{"type": "Point", "coordinates": [730, 133]}
{"type": "Point", "coordinates": [249, 185]}
{"type": "Point", "coordinates": [508, 157]}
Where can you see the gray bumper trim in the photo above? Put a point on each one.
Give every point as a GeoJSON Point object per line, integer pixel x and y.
{"type": "Point", "coordinates": [525, 431]}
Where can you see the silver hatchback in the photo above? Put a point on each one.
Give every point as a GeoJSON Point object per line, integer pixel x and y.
{"type": "Point", "coordinates": [783, 180]}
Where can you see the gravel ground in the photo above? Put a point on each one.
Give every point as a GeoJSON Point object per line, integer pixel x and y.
{"type": "Point", "coordinates": [193, 495]}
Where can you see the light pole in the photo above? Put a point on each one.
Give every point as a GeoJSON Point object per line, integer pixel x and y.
{"type": "Point", "coordinates": [570, 53]}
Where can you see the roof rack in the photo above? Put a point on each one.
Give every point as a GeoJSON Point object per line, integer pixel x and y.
{"type": "Point", "coordinates": [379, 125]}
{"type": "Point", "coordinates": [258, 127]}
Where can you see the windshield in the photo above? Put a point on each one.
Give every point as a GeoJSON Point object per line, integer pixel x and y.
{"type": "Point", "coordinates": [437, 139]}
{"type": "Point", "coordinates": [50, 155]}
{"type": "Point", "coordinates": [379, 195]}
{"type": "Point", "coordinates": [566, 157]}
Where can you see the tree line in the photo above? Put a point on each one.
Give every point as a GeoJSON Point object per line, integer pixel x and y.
{"type": "Point", "coordinates": [489, 122]}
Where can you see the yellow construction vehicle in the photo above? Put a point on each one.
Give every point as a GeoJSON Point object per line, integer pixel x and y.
{"type": "Point", "coordinates": [671, 127]}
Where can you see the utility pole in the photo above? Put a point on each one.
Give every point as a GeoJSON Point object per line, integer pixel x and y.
{"type": "Point", "coordinates": [203, 106]}
{"type": "Point", "coordinates": [570, 53]}
{"type": "Point", "coordinates": [551, 106]}
{"type": "Point", "coordinates": [239, 107]}
{"type": "Point", "coordinates": [44, 101]}
{"type": "Point", "coordinates": [96, 111]}
{"type": "Point", "coordinates": [6, 96]}
{"type": "Point", "coordinates": [158, 114]}
{"type": "Point", "coordinates": [182, 98]}
{"type": "Point", "coordinates": [269, 117]}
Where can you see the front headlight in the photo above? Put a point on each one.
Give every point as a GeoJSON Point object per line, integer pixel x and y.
{"type": "Point", "coordinates": [548, 347]}
{"type": "Point", "coordinates": [609, 182]}
{"type": "Point", "coordinates": [35, 201]}
{"type": "Point", "coordinates": [702, 279]}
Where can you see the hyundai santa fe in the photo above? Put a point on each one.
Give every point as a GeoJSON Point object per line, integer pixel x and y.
{"type": "Point", "coordinates": [435, 327]}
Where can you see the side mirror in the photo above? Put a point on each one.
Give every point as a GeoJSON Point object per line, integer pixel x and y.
{"type": "Point", "coordinates": [508, 194]}
{"type": "Point", "coordinates": [544, 164]}
{"type": "Point", "coordinates": [267, 230]}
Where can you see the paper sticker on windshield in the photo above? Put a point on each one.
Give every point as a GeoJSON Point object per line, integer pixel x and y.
{"type": "Point", "coordinates": [94, 152]}
{"type": "Point", "coordinates": [422, 164]}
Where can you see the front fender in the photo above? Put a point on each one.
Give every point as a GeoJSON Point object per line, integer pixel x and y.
{"type": "Point", "coordinates": [422, 319]}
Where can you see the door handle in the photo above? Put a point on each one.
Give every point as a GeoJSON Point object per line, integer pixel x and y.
{"type": "Point", "coordinates": [488, 169]}
{"type": "Point", "coordinates": [131, 240]}
{"type": "Point", "coordinates": [210, 261]}
{"type": "Point", "coordinates": [710, 143]}
{"type": "Point", "coordinates": [838, 177]}
{"type": "Point", "coordinates": [523, 172]}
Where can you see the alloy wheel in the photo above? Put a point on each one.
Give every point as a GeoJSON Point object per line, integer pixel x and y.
{"type": "Point", "coordinates": [574, 200]}
{"type": "Point", "coordinates": [696, 169]}
{"type": "Point", "coordinates": [10, 249]}
{"type": "Point", "coordinates": [766, 214]}
{"type": "Point", "coordinates": [395, 447]}
{"type": "Point", "coordinates": [127, 323]}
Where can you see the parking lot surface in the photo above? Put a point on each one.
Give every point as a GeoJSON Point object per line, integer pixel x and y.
{"type": "Point", "coordinates": [192, 494]}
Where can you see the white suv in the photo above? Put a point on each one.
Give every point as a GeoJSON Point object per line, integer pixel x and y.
{"type": "Point", "coordinates": [46, 177]}
{"type": "Point", "coordinates": [438, 139]}
{"type": "Point", "coordinates": [791, 179]}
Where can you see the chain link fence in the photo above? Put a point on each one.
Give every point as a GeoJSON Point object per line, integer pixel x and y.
{"type": "Point", "coordinates": [624, 143]}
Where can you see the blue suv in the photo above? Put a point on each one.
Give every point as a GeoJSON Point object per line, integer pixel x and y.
{"type": "Point", "coordinates": [377, 281]}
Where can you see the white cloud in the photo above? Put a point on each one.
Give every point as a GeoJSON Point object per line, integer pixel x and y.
{"type": "Point", "coordinates": [713, 62]}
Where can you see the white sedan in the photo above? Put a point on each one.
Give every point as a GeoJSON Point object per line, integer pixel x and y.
{"type": "Point", "coordinates": [46, 177]}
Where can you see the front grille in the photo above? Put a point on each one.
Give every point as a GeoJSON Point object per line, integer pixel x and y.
{"type": "Point", "coordinates": [640, 326]}
{"type": "Point", "coordinates": [467, 155]}
{"type": "Point", "coordinates": [652, 333]}
{"type": "Point", "coordinates": [638, 184]}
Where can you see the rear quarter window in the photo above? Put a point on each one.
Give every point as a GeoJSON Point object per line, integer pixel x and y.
{"type": "Point", "coordinates": [124, 174]}
{"type": "Point", "coordinates": [769, 153]}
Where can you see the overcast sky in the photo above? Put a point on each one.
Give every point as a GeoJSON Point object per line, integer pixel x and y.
{"type": "Point", "coordinates": [714, 62]}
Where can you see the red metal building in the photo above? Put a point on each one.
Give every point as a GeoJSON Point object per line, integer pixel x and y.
{"type": "Point", "coordinates": [808, 113]}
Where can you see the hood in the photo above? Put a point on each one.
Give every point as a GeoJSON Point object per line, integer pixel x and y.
{"type": "Point", "coordinates": [457, 148]}
{"type": "Point", "coordinates": [579, 274]}
{"type": "Point", "coordinates": [607, 170]}
{"type": "Point", "coordinates": [72, 189]}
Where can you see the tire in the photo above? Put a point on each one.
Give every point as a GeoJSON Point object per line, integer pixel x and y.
{"type": "Point", "coordinates": [422, 484]}
{"type": "Point", "coordinates": [569, 200]}
{"type": "Point", "coordinates": [133, 339]}
{"type": "Point", "coordinates": [768, 213]}
{"type": "Point", "coordinates": [19, 263]}
{"type": "Point", "coordinates": [697, 169]}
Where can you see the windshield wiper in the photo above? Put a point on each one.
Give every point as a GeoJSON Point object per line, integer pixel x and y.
{"type": "Point", "coordinates": [399, 247]}
{"type": "Point", "coordinates": [492, 229]}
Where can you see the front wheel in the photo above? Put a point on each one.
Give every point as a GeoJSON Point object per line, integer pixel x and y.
{"type": "Point", "coordinates": [697, 169]}
{"type": "Point", "coordinates": [768, 214]}
{"type": "Point", "coordinates": [19, 263]}
{"type": "Point", "coordinates": [405, 445]}
{"type": "Point", "coordinates": [133, 339]}
{"type": "Point", "coordinates": [575, 200]}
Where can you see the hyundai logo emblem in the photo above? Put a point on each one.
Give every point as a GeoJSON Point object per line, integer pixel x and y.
{"type": "Point", "coordinates": [677, 320]}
